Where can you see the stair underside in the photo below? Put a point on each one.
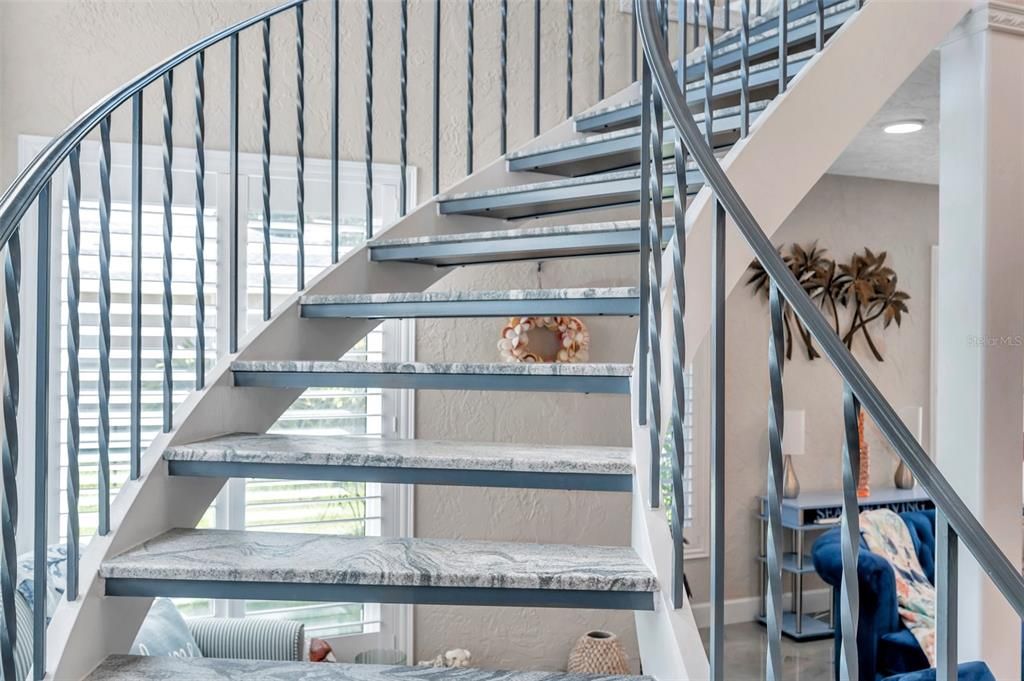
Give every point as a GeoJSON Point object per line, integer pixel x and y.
{"type": "Point", "coordinates": [621, 148]}
{"type": "Point", "coordinates": [559, 196]}
{"type": "Point", "coordinates": [483, 464]}
{"type": "Point", "coordinates": [311, 567]}
{"type": "Point", "coordinates": [529, 302]}
{"type": "Point", "coordinates": [561, 241]}
{"type": "Point", "coordinates": [145, 668]}
{"type": "Point", "coordinates": [586, 378]}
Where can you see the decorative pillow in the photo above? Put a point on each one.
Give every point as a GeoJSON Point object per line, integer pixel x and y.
{"type": "Point", "coordinates": [56, 571]}
{"type": "Point", "coordinates": [165, 634]}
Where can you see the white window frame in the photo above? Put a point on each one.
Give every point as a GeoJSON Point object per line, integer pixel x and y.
{"type": "Point", "coordinates": [698, 533]}
{"type": "Point", "coordinates": [399, 338]}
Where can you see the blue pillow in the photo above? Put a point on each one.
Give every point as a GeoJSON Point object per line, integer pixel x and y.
{"type": "Point", "coordinates": [165, 634]}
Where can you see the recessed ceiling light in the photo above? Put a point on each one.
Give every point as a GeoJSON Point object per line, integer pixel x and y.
{"type": "Point", "coordinates": [903, 127]}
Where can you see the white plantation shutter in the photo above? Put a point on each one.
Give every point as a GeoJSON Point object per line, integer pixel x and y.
{"type": "Point", "coordinates": [354, 509]}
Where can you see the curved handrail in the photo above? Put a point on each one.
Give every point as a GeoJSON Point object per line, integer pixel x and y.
{"type": "Point", "coordinates": [23, 191]}
{"type": "Point", "coordinates": [992, 560]}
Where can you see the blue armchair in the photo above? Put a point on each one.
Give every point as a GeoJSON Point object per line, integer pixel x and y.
{"type": "Point", "coordinates": [884, 646]}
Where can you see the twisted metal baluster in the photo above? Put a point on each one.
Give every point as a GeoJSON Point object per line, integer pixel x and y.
{"type": "Point", "coordinates": [773, 611]}
{"type": "Point", "coordinates": [503, 59]}
{"type": "Point", "coordinates": [709, 70]}
{"type": "Point", "coordinates": [103, 385]}
{"type": "Point", "coordinates": [135, 426]}
{"type": "Point", "coordinates": [568, 58]}
{"type": "Point", "coordinates": [168, 260]}
{"type": "Point", "coordinates": [634, 30]}
{"type": "Point", "coordinates": [41, 430]}
{"type": "Point", "coordinates": [72, 431]}
{"type": "Point", "coordinates": [681, 70]}
{"type": "Point", "coordinates": [783, 45]}
{"type": "Point", "coordinates": [716, 647]}
{"type": "Point", "coordinates": [643, 338]}
{"type": "Point", "coordinates": [696, 23]}
{"type": "Point", "coordinates": [368, 122]}
{"type": "Point", "coordinates": [436, 158]}
{"type": "Point", "coordinates": [536, 66]}
{"type": "Point", "coordinates": [300, 147]}
{"type": "Point", "coordinates": [819, 32]}
{"type": "Point", "coordinates": [9, 462]}
{"type": "Point", "coordinates": [200, 96]}
{"type": "Point", "coordinates": [266, 169]}
{"type": "Point", "coordinates": [744, 68]}
{"type": "Point", "coordinates": [233, 205]}
{"type": "Point", "coordinates": [601, 12]}
{"type": "Point", "coordinates": [403, 107]}
{"type": "Point", "coordinates": [678, 366]}
{"type": "Point", "coordinates": [655, 226]}
{"type": "Point", "coordinates": [849, 601]}
{"type": "Point", "coordinates": [470, 26]}
{"type": "Point", "coordinates": [946, 593]}
{"type": "Point", "coordinates": [335, 122]}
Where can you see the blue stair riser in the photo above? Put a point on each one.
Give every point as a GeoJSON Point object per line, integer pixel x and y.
{"type": "Point", "coordinates": [417, 595]}
{"type": "Point", "coordinates": [509, 249]}
{"type": "Point", "coordinates": [615, 385]}
{"type": "Point", "coordinates": [476, 308]}
{"type": "Point", "coordinates": [597, 482]}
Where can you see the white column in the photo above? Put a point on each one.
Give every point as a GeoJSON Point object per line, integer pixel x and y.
{"type": "Point", "coordinates": [979, 363]}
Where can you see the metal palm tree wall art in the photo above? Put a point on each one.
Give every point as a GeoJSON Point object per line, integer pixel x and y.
{"type": "Point", "coordinates": [866, 289]}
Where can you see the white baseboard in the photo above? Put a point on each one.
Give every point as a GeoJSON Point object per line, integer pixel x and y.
{"type": "Point", "coordinates": [747, 609]}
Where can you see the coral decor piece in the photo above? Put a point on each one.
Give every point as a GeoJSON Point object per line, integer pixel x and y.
{"type": "Point", "coordinates": [864, 476]}
{"type": "Point", "coordinates": [573, 339]}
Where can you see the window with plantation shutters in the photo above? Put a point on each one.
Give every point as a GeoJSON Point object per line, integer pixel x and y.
{"type": "Point", "coordinates": [267, 505]}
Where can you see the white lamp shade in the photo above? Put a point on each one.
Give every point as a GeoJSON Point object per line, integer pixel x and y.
{"type": "Point", "coordinates": [793, 432]}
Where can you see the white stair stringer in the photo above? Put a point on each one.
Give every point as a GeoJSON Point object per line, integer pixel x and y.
{"type": "Point", "coordinates": [797, 139]}
{"type": "Point", "coordinates": [669, 640]}
{"type": "Point", "coordinates": [84, 632]}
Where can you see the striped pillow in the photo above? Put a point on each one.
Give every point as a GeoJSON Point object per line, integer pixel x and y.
{"type": "Point", "coordinates": [23, 643]}
{"type": "Point", "coordinates": [249, 638]}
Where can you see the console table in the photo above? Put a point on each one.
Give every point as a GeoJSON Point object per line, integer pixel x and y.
{"type": "Point", "coordinates": [815, 512]}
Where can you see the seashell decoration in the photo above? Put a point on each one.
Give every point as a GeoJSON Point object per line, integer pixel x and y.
{"type": "Point", "coordinates": [573, 339]}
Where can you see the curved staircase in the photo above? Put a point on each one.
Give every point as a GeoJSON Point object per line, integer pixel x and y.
{"type": "Point", "coordinates": [601, 160]}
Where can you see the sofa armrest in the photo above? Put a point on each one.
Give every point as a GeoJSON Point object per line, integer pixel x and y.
{"type": "Point", "coordinates": [249, 638]}
{"type": "Point", "coordinates": [878, 606]}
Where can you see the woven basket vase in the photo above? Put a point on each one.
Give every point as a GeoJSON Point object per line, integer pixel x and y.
{"type": "Point", "coordinates": [598, 652]}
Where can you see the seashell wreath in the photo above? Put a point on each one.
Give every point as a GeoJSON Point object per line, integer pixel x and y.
{"type": "Point", "coordinates": [573, 339]}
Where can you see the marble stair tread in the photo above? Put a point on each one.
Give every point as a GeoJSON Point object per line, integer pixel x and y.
{"type": "Point", "coordinates": [147, 668]}
{"type": "Point", "coordinates": [361, 451]}
{"type": "Point", "coordinates": [466, 296]}
{"type": "Point", "coordinates": [597, 138]}
{"type": "Point", "coordinates": [484, 368]}
{"type": "Point", "coordinates": [527, 233]}
{"type": "Point", "coordinates": [194, 555]}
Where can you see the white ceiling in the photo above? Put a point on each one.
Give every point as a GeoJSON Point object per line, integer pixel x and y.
{"type": "Point", "coordinates": [907, 158]}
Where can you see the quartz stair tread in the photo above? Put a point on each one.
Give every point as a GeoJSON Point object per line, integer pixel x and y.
{"type": "Point", "coordinates": [459, 296]}
{"type": "Point", "coordinates": [476, 368]}
{"type": "Point", "coordinates": [360, 451]}
{"type": "Point", "coordinates": [184, 555]}
{"type": "Point", "coordinates": [149, 668]}
{"type": "Point", "coordinates": [554, 230]}
{"type": "Point", "coordinates": [509, 245]}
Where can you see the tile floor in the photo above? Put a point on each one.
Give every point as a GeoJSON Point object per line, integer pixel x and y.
{"type": "Point", "coordinates": [745, 655]}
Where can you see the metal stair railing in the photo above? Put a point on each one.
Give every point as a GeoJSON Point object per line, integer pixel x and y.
{"type": "Point", "coordinates": [954, 521]}
{"type": "Point", "coordinates": [34, 187]}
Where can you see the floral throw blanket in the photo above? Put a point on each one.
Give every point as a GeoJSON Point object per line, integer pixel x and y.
{"type": "Point", "coordinates": [887, 535]}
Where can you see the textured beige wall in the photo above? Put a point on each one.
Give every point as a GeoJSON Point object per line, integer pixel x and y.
{"type": "Point", "coordinates": [844, 214]}
{"type": "Point", "coordinates": [60, 57]}
{"type": "Point", "coordinates": [525, 638]}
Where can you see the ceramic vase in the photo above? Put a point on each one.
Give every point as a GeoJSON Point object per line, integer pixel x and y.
{"type": "Point", "coordinates": [790, 483]}
{"type": "Point", "coordinates": [904, 479]}
{"type": "Point", "coordinates": [598, 652]}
